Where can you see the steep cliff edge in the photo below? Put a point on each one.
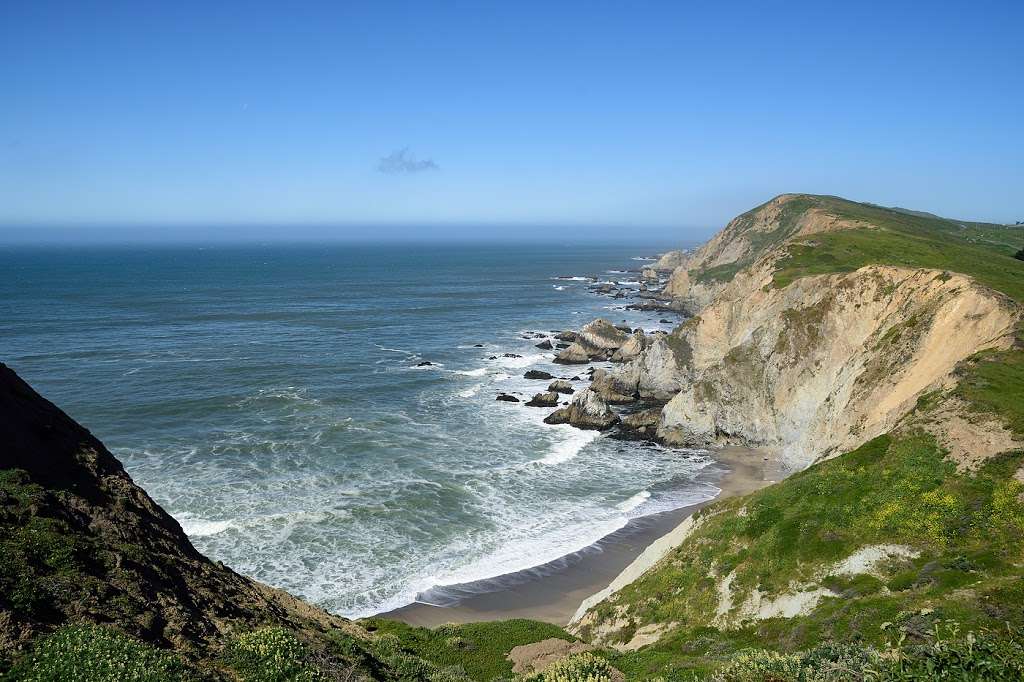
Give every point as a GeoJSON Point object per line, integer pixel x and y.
{"type": "Point", "coordinates": [815, 364]}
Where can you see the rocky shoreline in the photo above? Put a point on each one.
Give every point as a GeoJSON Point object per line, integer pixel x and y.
{"type": "Point", "coordinates": [608, 403]}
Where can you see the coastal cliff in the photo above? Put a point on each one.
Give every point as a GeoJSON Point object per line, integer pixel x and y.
{"type": "Point", "coordinates": [876, 352]}
{"type": "Point", "coordinates": [817, 366]}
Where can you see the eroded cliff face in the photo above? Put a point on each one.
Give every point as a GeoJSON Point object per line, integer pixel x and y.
{"type": "Point", "coordinates": [817, 367]}
{"type": "Point", "coordinates": [828, 362]}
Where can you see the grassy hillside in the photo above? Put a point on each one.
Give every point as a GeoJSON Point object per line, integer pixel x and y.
{"type": "Point", "coordinates": [981, 250]}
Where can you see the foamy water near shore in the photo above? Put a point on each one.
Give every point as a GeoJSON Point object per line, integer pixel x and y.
{"type": "Point", "coordinates": [275, 403]}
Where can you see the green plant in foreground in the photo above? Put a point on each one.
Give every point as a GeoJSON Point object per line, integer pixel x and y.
{"type": "Point", "coordinates": [271, 654]}
{"type": "Point", "coordinates": [986, 656]}
{"type": "Point", "coordinates": [91, 653]}
{"type": "Point", "coordinates": [585, 667]}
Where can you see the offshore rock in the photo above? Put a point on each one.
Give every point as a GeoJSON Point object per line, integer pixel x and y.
{"type": "Point", "coordinates": [561, 386]}
{"type": "Point", "coordinates": [586, 411]}
{"type": "Point", "coordinates": [546, 399]}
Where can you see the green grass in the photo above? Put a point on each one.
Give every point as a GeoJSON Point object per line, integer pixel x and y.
{"type": "Point", "coordinates": [993, 383]}
{"type": "Point", "coordinates": [479, 648]}
{"type": "Point", "coordinates": [908, 241]}
{"type": "Point", "coordinates": [968, 529]}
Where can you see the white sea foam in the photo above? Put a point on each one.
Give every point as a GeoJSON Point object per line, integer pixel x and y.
{"type": "Point", "coordinates": [520, 362]}
{"type": "Point", "coordinates": [643, 258]}
{"type": "Point", "coordinates": [573, 279]}
{"type": "Point", "coordinates": [472, 372]}
{"type": "Point", "coordinates": [565, 450]}
{"type": "Point", "coordinates": [558, 288]}
{"type": "Point", "coordinates": [201, 527]}
{"type": "Point", "coordinates": [634, 502]}
{"type": "Point", "coordinates": [470, 392]}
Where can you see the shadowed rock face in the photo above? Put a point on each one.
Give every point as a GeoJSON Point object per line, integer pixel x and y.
{"type": "Point", "coordinates": [82, 542]}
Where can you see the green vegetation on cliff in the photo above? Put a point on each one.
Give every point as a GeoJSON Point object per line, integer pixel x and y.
{"type": "Point", "coordinates": [894, 237]}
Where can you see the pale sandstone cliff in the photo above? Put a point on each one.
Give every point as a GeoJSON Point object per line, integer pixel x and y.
{"type": "Point", "coordinates": [828, 362]}
{"type": "Point", "coordinates": [814, 368]}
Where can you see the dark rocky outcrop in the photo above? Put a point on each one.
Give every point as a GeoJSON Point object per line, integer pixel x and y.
{"type": "Point", "coordinates": [546, 399]}
{"type": "Point", "coordinates": [544, 345]}
{"type": "Point", "coordinates": [538, 374]}
{"type": "Point", "coordinates": [506, 398]}
{"type": "Point", "coordinates": [561, 386]}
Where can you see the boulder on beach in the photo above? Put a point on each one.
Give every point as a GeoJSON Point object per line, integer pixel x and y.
{"type": "Point", "coordinates": [505, 397]}
{"type": "Point", "coordinates": [546, 399]}
{"type": "Point", "coordinates": [585, 411]}
{"type": "Point", "coordinates": [566, 336]}
{"type": "Point", "coordinates": [544, 345]}
{"type": "Point", "coordinates": [561, 386]}
{"type": "Point", "coordinates": [649, 275]}
{"type": "Point", "coordinates": [538, 374]}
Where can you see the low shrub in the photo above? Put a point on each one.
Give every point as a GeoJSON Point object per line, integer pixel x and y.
{"type": "Point", "coordinates": [585, 667]}
{"type": "Point", "coordinates": [91, 653]}
{"type": "Point", "coordinates": [271, 654]}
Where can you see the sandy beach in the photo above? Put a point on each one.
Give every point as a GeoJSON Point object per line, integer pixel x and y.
{"type": "Point", "coordinates": [554, 591]}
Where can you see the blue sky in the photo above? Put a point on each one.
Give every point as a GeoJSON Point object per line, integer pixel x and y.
{"type": "Point", "coordinates": [186, 118]}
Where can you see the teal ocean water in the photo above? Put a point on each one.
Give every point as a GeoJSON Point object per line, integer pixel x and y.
{"type": "Point", "coordinates": [270, 398]}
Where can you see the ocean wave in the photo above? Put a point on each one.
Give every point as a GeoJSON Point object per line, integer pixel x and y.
{"type": "Point", "coordinates": [570, 447]}
{"type": "Point", "coordinates": [202, 527]}
{"type": "Point", "coordinates": [520, 362]}
{"type": "Point", "coordinates": [573, 279]}
{"type": "Point", "coordinates": [634, 502]}
{"type": "Point", "coordinates": [470, 392]}
{"type": "Point", "coordinates": [471, 372]}
{"type": "Point", "coordinates": [558, 288]}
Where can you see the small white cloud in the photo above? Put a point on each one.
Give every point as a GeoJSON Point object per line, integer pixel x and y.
{"type": "Point", "coordinates": [401, 162]}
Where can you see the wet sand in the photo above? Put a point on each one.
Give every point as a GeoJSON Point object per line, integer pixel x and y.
{"type": "Point", "coordinates": [554, 591]}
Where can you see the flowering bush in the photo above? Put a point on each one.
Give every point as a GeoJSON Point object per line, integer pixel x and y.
{"type": "Point", "coordinates": [585, 667]}
{"type": "Point", "coordinates": [761, 665]}
{"type": "Point", "coordinates": [271, 654]}
{"type": "Point", "coordinates": [91, 653]}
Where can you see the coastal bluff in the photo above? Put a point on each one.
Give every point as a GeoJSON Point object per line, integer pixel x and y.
{"type": "Point", "coordinates": [877, 353]}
